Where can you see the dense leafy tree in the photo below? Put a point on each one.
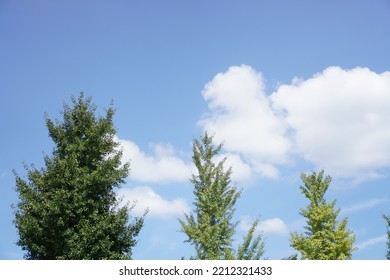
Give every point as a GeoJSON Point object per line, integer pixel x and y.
{"type": "Point", "coordinates": [210, 228]}
{"type": "Point", "coordinates": [387, 218]}
{"type": "Point", "coordinates": [68, 209]}
{"type": "Point", "coordinates": [325, 238]}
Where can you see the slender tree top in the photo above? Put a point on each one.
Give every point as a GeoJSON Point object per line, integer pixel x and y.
{"type": "Point", "coordinates": [315, 187]}
{"type": "Point", "coordinates": [325, 238]}
{"type": "Point", "coordinates": [209, 227]}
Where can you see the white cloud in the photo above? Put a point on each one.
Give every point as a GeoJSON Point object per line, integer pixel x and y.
{"type": "Point", "coordinates": [162, 166]}
{"type": "Point", "coordinates": [268, 226]}
{"type": "Point", "coordinates": [372, 241]}
{"type": "Point", "coordinates": [337, 120]}
{"type": "Point", "coordinates": [3, 174]}
{"type": "Point", "coordinates": [340, 120]}
{"type": "Point", "coordinates": [241, 171]}
{"type": "Point", "coordinates": [241, 117]}
{"type": "Point", "coordinates": [146, 198]}
{"type": "Point", "coordinates": [364, 205]}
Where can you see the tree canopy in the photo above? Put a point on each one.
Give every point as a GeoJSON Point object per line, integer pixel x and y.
{"type": "Point", "coordinates": [210, 228]}
{"type": "Point", "coordinates": [325, 238]}
{"type": "Point", "coordinates": [68, 209]}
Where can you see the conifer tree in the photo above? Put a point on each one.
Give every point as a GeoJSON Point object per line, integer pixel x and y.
{"type": "Point", "coordinates": [387, 218]}
{"type": "Point", "coordinates": [210, 228]}
{"type": "Point", "coordinates": [68, 209]}
{"type": "Point", "coordinates": [325, 238]}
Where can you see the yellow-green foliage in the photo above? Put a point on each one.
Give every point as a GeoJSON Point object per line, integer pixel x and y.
{"type": "Point", "coordinates": [325, 238]}
{"type": "Point", "coordinates": [210, 228]}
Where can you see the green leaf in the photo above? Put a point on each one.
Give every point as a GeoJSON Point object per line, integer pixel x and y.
{"type": "Point", "coordinates": [68, 209]}
{"type": "Point", "coordinates": [325, 238]}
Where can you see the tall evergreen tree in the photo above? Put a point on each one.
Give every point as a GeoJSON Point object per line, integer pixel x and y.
{"type": "Point", "coordinates": [387, 218]}
{"type": "Point", "coordinates": [325, 238]}
{"type": "Point", "coordinates": [210, 228]}
{"type": "Point", "coordinates": [68, 209]}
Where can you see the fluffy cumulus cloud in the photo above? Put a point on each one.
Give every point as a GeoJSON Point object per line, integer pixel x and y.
{"type": "Point", "coordinates": [147, 198]}
{"type": "Point", "coordinates": [340, 120]}
{"type": "Point", "coordinates": [161, 166]}
{"type": "Point", "coordinates": [241, 117]}
{"type": "Point", "coordinates": [268, 226]}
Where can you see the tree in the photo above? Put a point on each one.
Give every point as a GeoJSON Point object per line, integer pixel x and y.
{"type": "Point", "coordinates": [210, 228]}
{"type": "Point", "coordinates": [325, 238]}
{"type": "Point", "coordinates": [293, 257]}
{"type": "Point", "coordinates": [387, 218]}
{"type": "Point", "coordinates": [252, 247]}
{"type": "Point", "coordinates": [68, 209]}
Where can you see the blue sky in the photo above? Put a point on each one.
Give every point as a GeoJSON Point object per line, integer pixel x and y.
{"type": "Point", "coordinates": [288, 86]}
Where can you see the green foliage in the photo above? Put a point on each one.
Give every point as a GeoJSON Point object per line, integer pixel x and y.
{"type": "Point", "coordinates": [387, 218]}
{"type": "Point", "coordinates": [68, 210]}
{"type": "Point", "coordinates": [210, 228]}
{"type": "Point", "coordinates": [252, 247]}
{"type": "Point", "coordinates": [293, 257]}
{"type": "Point", "coordinates": [325, 238]}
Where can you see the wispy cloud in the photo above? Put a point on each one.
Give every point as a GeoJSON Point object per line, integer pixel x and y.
{"type": "Point", "coordinates": [372, 241]}
{"type": "Point", "coordinates": [3, 174]}
{"type": "Point", "coordinates": [364, 205]}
